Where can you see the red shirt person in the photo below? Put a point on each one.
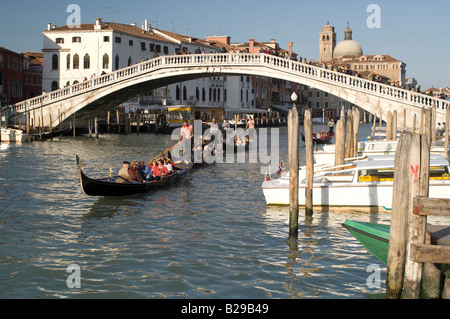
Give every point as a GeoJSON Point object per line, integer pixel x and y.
{"type": "Point", "coordinates": [160, 171]}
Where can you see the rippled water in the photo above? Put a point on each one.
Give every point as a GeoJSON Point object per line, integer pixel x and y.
{"type": "Point", "coordinates": [211, 236]}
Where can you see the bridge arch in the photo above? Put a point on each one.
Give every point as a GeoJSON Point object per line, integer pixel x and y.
{"type": "Point", "coordinates": [106, 92]}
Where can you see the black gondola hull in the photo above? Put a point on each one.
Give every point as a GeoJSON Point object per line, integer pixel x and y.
{"type": "Point", "coordinates": [103, 187]}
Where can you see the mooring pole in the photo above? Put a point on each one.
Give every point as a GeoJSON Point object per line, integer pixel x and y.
{"type": "Point", "coordinates": [293, 134]}
{"type": "Point", "coordinates": [399, 219]}
{"type": "Point", "coordinates": [309, 145]}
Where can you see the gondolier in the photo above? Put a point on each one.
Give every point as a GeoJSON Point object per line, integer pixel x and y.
{"type": "Point", "coordinates": [187, 131]}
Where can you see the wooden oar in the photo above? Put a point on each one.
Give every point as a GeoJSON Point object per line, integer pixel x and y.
{"type": "Point", "coordinates": [168, 150]}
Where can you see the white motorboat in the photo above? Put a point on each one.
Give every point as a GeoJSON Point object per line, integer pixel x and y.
{"type": "Point", "coordinates": [10, 135]}
{"type": "Point", "coordinates": [326, 154]}
{"type": "Point", "coordinates": [363, 185]}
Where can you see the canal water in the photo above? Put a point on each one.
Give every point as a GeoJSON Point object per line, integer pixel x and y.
{"type": "Point", "coordinates": [210, 237]}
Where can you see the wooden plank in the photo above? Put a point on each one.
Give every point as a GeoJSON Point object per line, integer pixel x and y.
{"type": "Point", "coordinates": [421, 253]}
{"type": "Point", "coordinates": [439, 234]}
{"type": "Point", "coordinates": [424, 206]}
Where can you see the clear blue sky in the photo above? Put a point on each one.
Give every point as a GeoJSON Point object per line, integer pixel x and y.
{"type": "Point", "coordinates": [415, 32]}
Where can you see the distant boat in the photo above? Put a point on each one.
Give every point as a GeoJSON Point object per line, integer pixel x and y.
{"type": "Point", "coordinates": [56, 133]}
{"type": "Point", "coordinates": [374, 237]}
{"type": "Point", "coordinates": [321, 138]}
{"type": "Point", "coordinates": [11, 135]}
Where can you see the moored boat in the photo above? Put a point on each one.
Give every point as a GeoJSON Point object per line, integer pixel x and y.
{"type": "Point", "coordinates": [11, 135]}
{"type": "Point", "coordinates": [109, 187]}
{"type": "Point", "coordinates": [362, 185]}
{"type": "Point", "coordinates": [374, 237]}
{"type": "Point", "coordinates": [326, 153]}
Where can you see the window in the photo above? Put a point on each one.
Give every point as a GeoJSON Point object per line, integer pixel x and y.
{"type": "Point", "coordinates": [55, 64]}
{"type": "Point", "coordinates": [76, 62]}
{"type": "Point", "coordinates": [166, 50]}
{"type": "Point", "coordinates": [118, 40]}
{"type": "Point", "coordinates": [197, 93]}
{"type": "Point", "coordinates": [87, 61]}
{"type": "Point", "coordinates": [130, 62]}
{"type": "Point", "coordinates": [106, 61]}
{"type": "Point", "coordinates": [177, 93]}
{"type": "Point", "coordinates": [76, 40]}
{"type": "Point", "coordinates": [184, 93]}
{"type": "Point", "coordinates": [158, 48]}
{"type": "Point", "coordinates": [130, 43]}
{"type": "Point", "coordinates": [143, 48]}
{"type": "Point", "coordinates": [203, 95]}
{"type": "Point", "coordinates": [59, 41]}
{"type": "Point", "coordinates": [68, 62]}
{"type": "Point", "coordinates": [152, 47]}
{"type": "Point", "coordinates": [106, 39]}
{"type": "Point", "coordinates": [54, 86]}
{"type": "Point", "coordinates": [117, 62]}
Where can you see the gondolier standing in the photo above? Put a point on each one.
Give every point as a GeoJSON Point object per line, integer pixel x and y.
{"type": "Point", "coordinates": [187, 131]}
{"type": "Point", "coordinates": [186, 135]}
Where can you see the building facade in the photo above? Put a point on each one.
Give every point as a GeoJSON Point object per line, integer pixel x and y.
{"type": "Point", "coordinates": [72, 55]}
{"type": "Point", "coordinates": [11, 76]}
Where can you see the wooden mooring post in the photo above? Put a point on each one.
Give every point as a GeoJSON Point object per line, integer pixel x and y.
{"type": "Point", "coordinates": [293, 140]}
{"type": "Point", "coordinates": [309, 148]}
{"type": "Point", "coordinates": [397, 239]}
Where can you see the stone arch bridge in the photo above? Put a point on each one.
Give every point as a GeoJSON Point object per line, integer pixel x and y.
{"type": "Point", "coordinates": [103, 93]}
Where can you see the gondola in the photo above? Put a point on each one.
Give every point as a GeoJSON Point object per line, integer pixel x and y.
{"type": "Point", "coordinates": [49, 135]}
{"type": "Point", "coordinates": [109, 187]}
{"type": "Point", "coordinates": [326, 139]}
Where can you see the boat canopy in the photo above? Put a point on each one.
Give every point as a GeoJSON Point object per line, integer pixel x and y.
{"type": "Point", "coordinates": [387, 161]}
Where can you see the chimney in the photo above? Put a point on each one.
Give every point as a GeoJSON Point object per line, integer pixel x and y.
{"type": "Point", "coordinates": [98, 24]}
{"type": "Point", "coordinates": [251, 42]}
{"type": "Point", "coordinates": [49, 26]}
{"type": "Point", "coordinates": [272, 40]}
{"type": "Point", "coordinates": [290, 44]}
{"type": "Point", "coordinates": [133, 24]}
{"type": "Point", "coordinates": [146, 25]}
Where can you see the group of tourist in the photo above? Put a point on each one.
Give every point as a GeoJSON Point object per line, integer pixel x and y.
{"type": "Point", "coordinates": [139, 172]}
{"type": "Point", "coordinates": [440, 130]}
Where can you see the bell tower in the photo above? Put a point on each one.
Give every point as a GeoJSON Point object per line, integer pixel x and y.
{"type": "Point", "coordinates": [327, 43]}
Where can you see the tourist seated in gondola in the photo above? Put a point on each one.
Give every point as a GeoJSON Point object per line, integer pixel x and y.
{"type": "Point", "coordinates": [134, 172]}
{"type": "Point", "coordinates": [124, 175]}
{"type": "Point", "coordinates": [160, 171]}
{"type": "Point", "coordinates": [144, 170]}
{"type": "Point", "coordinates": [168, 165]}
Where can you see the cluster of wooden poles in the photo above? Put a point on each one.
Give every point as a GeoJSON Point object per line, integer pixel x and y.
{"type": "Point", "coordinates": [415, 268]}
{"type": "Point", "coordinates": [346, 147]}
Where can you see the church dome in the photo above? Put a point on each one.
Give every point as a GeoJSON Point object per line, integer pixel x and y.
{"type": "Point", "coordinates": [347, 47]}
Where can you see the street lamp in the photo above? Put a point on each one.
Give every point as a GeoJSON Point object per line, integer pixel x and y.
{"type": "Point", "coordinates": [294, 98]}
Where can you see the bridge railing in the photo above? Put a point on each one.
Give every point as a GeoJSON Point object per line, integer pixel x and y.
{"type": "Point", "coordinates": [230, 59]}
